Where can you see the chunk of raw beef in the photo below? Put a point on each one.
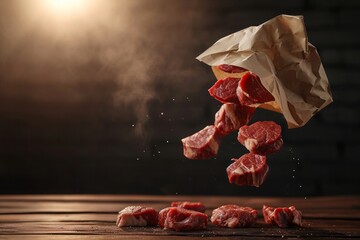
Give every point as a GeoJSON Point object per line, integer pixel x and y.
{"type": "Point", "coordinates": [251, 91]}
{"type": "Point", "coordinates": [250, 169]}
{"type": "Point", "coordinates": [181, 219]}
{"type": "Point", "coordinates": [137, 216]}
{"type": "Point", "coordinates": [203, 144]}
{"type": "Point", "coordinates": [224, 90]}
{"type": "Point", "coordinates": [263, 137]}
{"type": "Point", "coordinates": [233, 216]}
{"type": "Point", "coordinates": [282, 216]}
{"type": "Point", "coordinates": [297, 216]}
{"type": "Point", "coordinates": [195, 206]}
{"type": "Point", "coordinates": [232, 116]}
{"type": "Point", "coordinates": [231, 68]}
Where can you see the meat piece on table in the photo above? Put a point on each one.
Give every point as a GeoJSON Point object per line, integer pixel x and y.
{"type": "Point", "coordinates": [232, 116]}
{"type": "Point", "coordinates": [251, 91]}
{"type": "Point", "coordinates": [137, 216]}
{"type": "Point", "coordinates": [203, 144]}
{"type": "Point", "coordinates": [231, 68]}
{"type": "Point", "coordinates": [250, 169]}
{"type": "Point", "coordinates": [195, 206]}
{"type": "Point", "coordinates": [282, 216]}
{"type": "Point", "coordinates": [263, 137]}
{"type": "Point", "coordinates": [297, 216]}
{"type": "Point", "coordinates": [181, 219]}
{"type": "Point", "coordinates": [233, 216]}
{"type": "Point", "coordinates": [224, 90]}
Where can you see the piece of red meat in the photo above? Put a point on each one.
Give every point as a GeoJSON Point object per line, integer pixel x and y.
{"type": "Point", "coordinates": [250, 169]}
{"type": "Point", "coordinates": [224, 90]}
{"type": "Point", "coordinates": [137, 216]}
{"type": "Point", "coordinates": [251, 91]}
{"type": "Point", "coordinates": [231, 68]}
{"type": "Point", "coordinates": [282, 216]}
{"type": "Point", "coordinates": [203, 144]}
{"type": "Point", "coordinates": [195, 206]}
{"type": "Point", "coordinates": [232, 116]}
{"type": "Point", "coordinates": [233, 216]}
{"type": "Point", "coordinates": [181, 219]}
{"type": "Point", "coordinates": [297, 216]}
{"type": "Point", "coordinates": [263, 137]}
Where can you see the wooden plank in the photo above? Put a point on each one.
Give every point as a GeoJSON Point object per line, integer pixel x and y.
{"type": "Point", "coordinates": [328, 207]}
{"type": "Point", "coordinates": [91, 215]}
{"type": "Point", "coordinates": [211, 201]}
{"type": "Point", "coordinates": [69, 207]}
{"type": "Point", "coordinates": [112, 237]}
{"type": "Point", "coordinates": [100, 216]}
{"type": "Point", "coordinates": [316, 228]}
{"type": "Point", "coordinates": [61, 217]}
{"type": "Point", "coordinates": [330, 200]}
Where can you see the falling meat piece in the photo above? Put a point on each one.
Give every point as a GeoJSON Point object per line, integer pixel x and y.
{"type": "Point", "coordinates": [282, 216]}
{"type": "Point", "coordinates": [263, 137]}
{"type": "Point", "coordinates": [231, 68]}
{"type": "Point", "coordinates": [232, 116]}
{"type": "Point", "coordinates": [195, 206]}
{"type": "Point", "coordinates": [251, 91]}
{"type": "Point", "coordinates": [203, 144]}
{"type": "Point", "coordinates": [224, 90]}
{"type": "Point", "coordinates": [181, 219]}
{"type": "Point", "coordinates": [137, 216]}
{"type": "Point", "coordinates": [233, 216]}
{"type": "Point", "coordinates": [250, 169]}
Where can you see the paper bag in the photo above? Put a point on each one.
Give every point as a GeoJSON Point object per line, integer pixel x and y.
{"type": "Point", "coordinates": [289, 67]}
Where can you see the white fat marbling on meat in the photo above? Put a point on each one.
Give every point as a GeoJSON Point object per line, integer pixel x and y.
{"type": "Point", "coordinates": [130, 220]}
{"type": "Point", "coordinates": [230, 112]}
{"type": "Point", "coordinates": [213, 144]}
{"type": "Point", "coordinates": [126, 217]}
{"type": "Point", "coordinates": [250, 143]}
{"type": "Point", "coordinates": [297, 215]}
{"type": "Point", "coordinates": [244, 169]}
{"type": "Point", "coordinates": [190, 152]}
{"type": "Point", "coordinates": [239, 91]}
{"type": "Point", "coordinates": [238, 171]}
{"type": "Point", "coordinates": [232, 222]}
{"type": "Point", "coordinates": [260, 179]}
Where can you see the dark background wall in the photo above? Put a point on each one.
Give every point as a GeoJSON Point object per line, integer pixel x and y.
{"type": "Point", "coordinates": [97, 101]}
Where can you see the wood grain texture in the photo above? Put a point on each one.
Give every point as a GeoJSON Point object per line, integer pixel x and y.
{"type": "Point", "coordinates": [93, 217]}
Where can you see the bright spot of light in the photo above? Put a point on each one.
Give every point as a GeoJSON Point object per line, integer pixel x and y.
{"type": "Point", "coordinates": [65, 7]}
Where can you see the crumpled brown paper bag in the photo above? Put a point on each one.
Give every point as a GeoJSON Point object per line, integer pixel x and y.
{"type": "Point", "coordinates": [289, 67]}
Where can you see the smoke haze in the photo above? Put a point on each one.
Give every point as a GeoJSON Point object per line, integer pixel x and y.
{"type": "Point", "coordinates": [113, 40]}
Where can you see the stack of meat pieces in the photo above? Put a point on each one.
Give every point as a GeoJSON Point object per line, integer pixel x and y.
{"type": "Point", "coordinates": [190, 216]}
{"type": "Point", "coordinates": [180, 216]}
{"type": "Point", "coordinates": [240, 97]}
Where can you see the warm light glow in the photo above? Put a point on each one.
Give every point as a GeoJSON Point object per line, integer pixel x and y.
{"type": "Point", "coordinates": [65, 7]}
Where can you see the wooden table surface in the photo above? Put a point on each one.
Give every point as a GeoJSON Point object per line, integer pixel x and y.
{"type": "Point", "coordinates": [93, 217]}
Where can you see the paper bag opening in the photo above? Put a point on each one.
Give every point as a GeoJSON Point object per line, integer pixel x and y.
{"type": "Point", "coordinates": [289, 67]}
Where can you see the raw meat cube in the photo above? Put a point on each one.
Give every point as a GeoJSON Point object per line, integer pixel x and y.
{"type": "Point", "coordinates": [232, 116]}
{"type": "Point", "coordinates": [137, 216]}
{"type": "Point", "coordinates": [203, 144]}
{"type": "Point", "coordinates": [297, 216]}
{"type": "Point", "coordinates": [224, 90]}
{"type": "Point", "coordinates": [233, 216]}
{"type": "Point", "coordinates": [251, 91]}
{"type": "Point", "coordinates": [263, 137]}
{"type": "Point", "coordinates": [231, 68]}
{"type": "Point", "coordinates": [181, 219]}
{"type": "Point", "coordinates": [250, 169]}
{"type": "Point", "coordinates": [282, 216]}
{"type": "Point", "coordinates": [195, 206]}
